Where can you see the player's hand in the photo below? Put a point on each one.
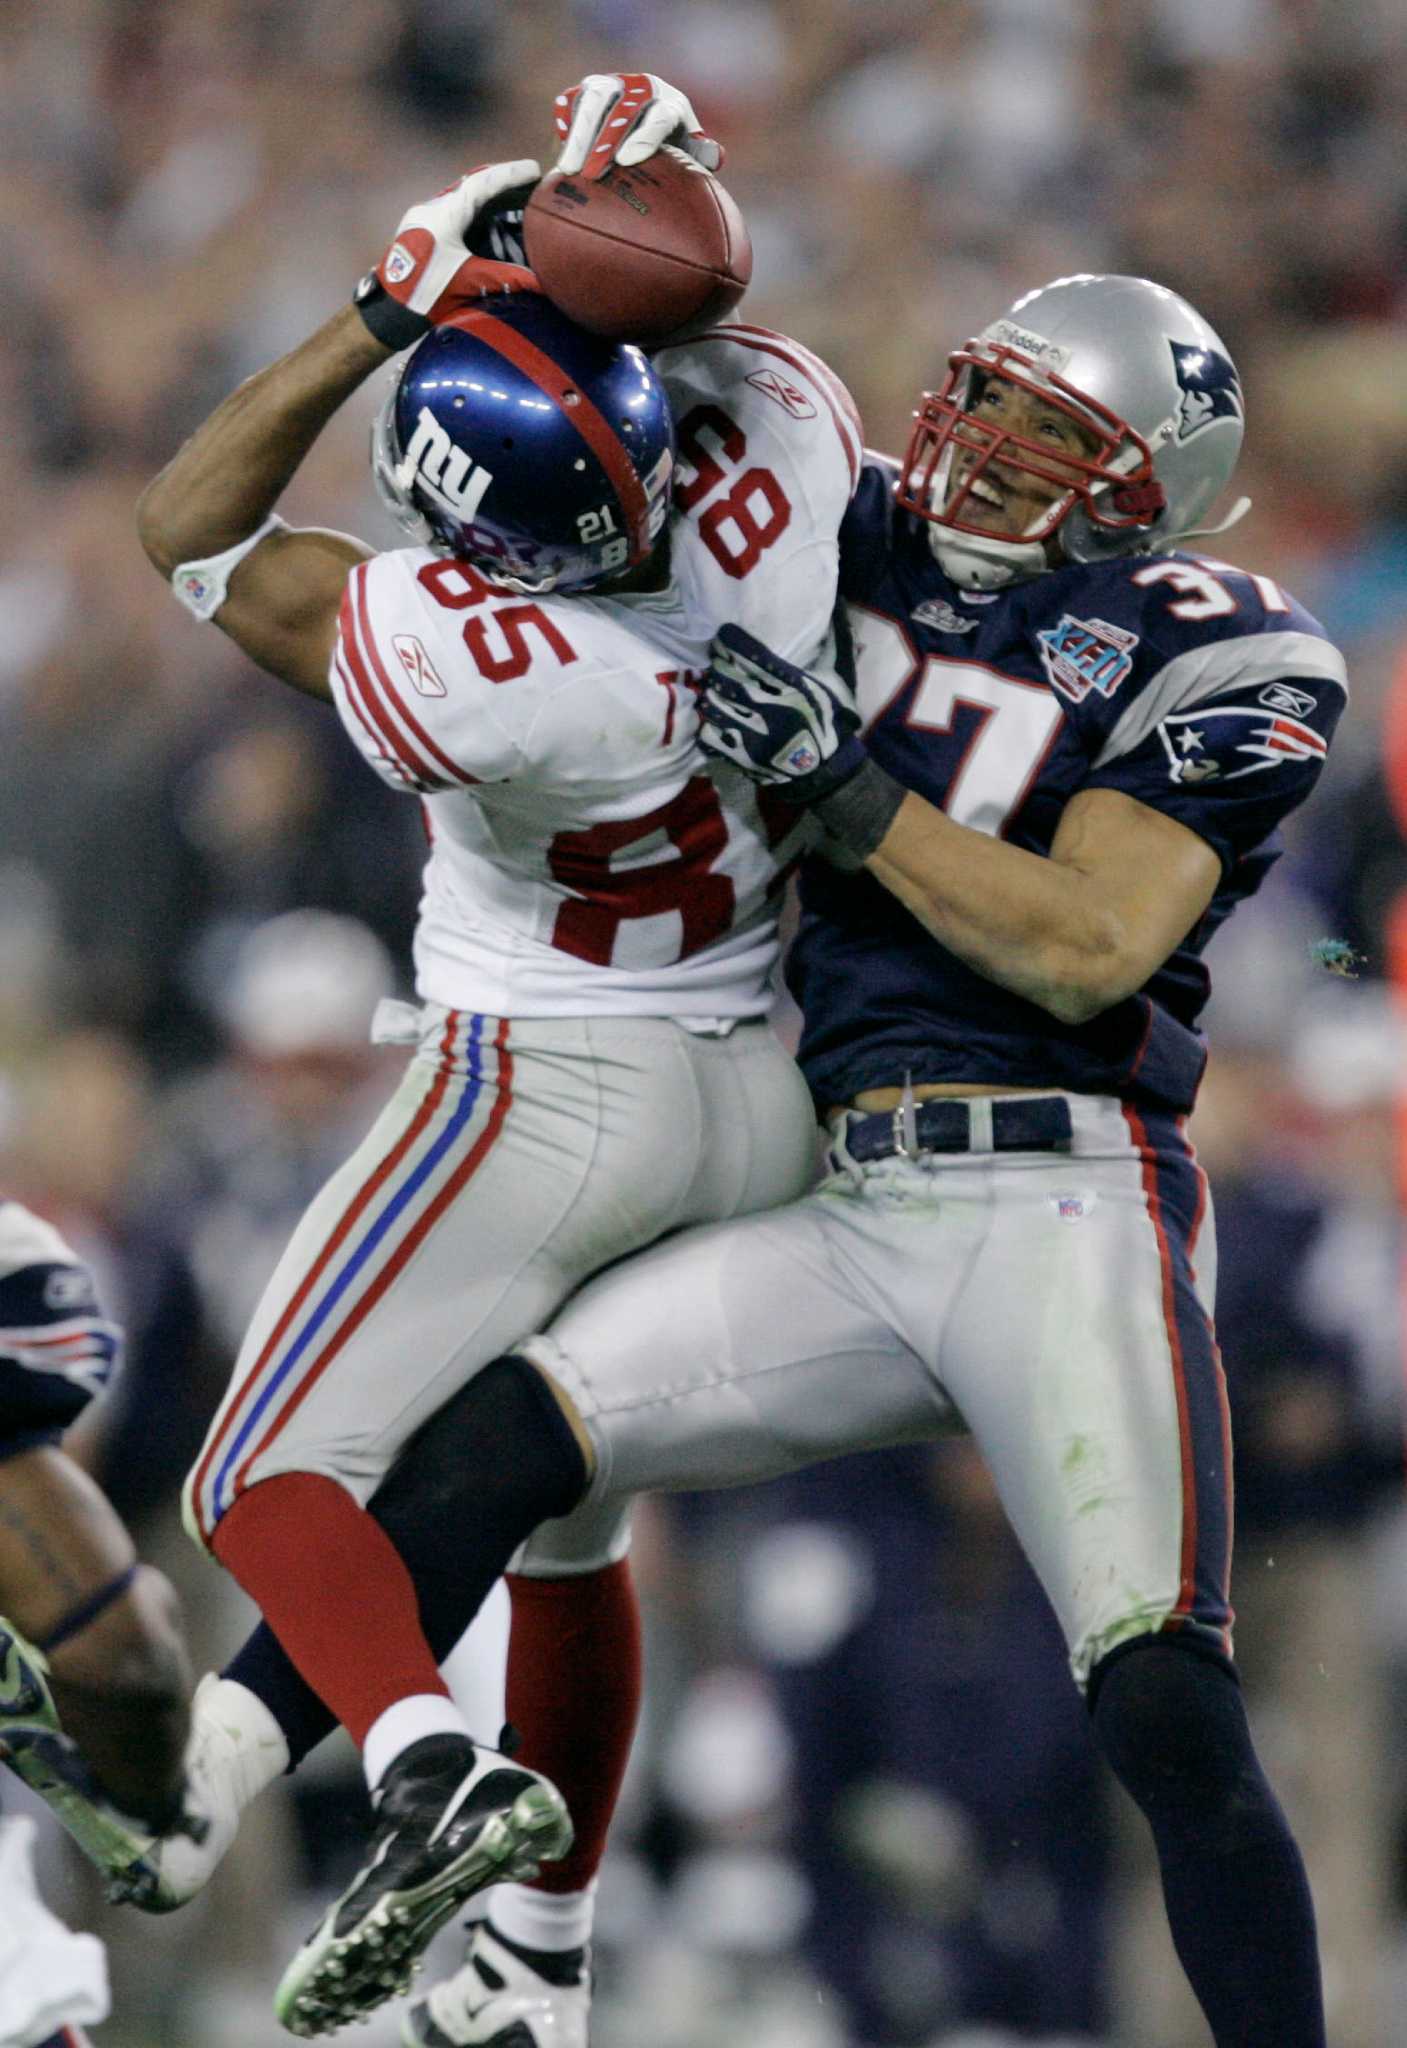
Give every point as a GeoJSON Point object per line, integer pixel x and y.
{"type": "Point", "coordinates": [621, 117]}
{"type": "Point", "coordinates": [429, 270]}
{"type": "Point", "coordinates": [777, 722]}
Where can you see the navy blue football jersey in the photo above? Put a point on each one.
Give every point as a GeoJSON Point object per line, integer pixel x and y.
{"type": "Point", "coordinates": [57, 1349]}
{"type": "Point", "coordinates": [1192, 686]}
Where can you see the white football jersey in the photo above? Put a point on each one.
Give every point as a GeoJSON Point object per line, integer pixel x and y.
{"type": "Point", "coordinates": [585, 857]}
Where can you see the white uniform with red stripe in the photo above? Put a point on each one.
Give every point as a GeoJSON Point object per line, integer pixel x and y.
{"type": "Point", "coordinates": [582, 857]}
{"type": "Point", "coordinates": [595, 941]}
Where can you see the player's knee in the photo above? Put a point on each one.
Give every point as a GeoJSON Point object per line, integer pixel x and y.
{"type": "Point", "coordinates": [1169, 1716]}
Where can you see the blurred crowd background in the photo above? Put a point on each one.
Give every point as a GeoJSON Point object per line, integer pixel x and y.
{"type": "Point", "coordinates": [865, 1812]}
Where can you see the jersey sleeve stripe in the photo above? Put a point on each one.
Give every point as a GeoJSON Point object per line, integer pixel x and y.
{"type": "Point", "coordinates": [376, 746]}
{"type": "Point", "coordinates": [823, 379]}
{"type": "Point", "coordinates": [382, 737]}
{"type": "Point", "coordinates": [599, 436]}
{"type": "Point", "coordinates": [443, 761]}
{"type": "Point", "coordinates": [381, 693]}
{"type": "Point", "coordinates": [370, 708]}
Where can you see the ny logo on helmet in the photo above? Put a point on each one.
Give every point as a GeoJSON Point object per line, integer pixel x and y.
{"type": "Point", "coordinates": [447, 472]}
{"type": "Point", "coordinates": [1211, 390]}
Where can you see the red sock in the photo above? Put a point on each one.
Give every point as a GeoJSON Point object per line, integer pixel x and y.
{"type": "Point", "coordinates": [574, 1679]}
{"type": "Point", "coordinates": [333, 1589]}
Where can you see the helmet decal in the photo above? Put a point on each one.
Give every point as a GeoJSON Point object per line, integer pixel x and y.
{"type": "Point", "coordinates": [447, 473]}
{"type": "Point", "coordinates": [1210, 387]}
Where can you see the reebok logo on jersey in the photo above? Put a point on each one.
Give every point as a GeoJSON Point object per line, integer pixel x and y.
{"type": "Point", "coordinates": [1280, 697]}
{"type": "Point", "coordinates": [1229, 741]}
{"type": "Point", "coordinates": [68, 1287]}
{"type": "Point", "coordinates": [773, 385]}
{"type": "Point", "coordinates": [420, 670]}
{"type": "Point", "coordinates": [1080, 655]}
{"type": "Point", "coordinates": [938, 613]}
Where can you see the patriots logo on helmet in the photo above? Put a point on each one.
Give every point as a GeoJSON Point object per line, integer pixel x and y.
{"type": "Point", "coordinates": [1211, 389]}
{"type": "Point", "coordinates": [1228, 741]}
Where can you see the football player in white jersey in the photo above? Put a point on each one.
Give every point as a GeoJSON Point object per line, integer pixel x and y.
{"type": "Point", "coordinates": [592, 1065]}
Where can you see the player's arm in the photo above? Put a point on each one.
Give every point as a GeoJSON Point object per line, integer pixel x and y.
{"type": "Point", "coordinates": [1073, 931]}
{"type": "Point", "coordinates": [206, 521]}
{"type": "Point", "coordinates": [280, 599]}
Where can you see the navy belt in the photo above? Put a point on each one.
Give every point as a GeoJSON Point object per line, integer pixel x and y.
{"type": "Point", "coordinates": [945, 1123]}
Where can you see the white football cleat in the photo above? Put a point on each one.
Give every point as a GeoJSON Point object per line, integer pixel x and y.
{"type": "Point", "coordinates": [236, 1748]}
{"type": "Point", "coordinates": [499, 2001]}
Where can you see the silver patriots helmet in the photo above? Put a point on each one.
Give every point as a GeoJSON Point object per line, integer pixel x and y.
{"type": "Point", "coordinates": [1140, 371]}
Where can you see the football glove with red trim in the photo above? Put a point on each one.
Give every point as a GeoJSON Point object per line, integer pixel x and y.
{"type": "Point", "coordinates": [622, 117]}
{"type": "Point", "coordinates": [429, 271]}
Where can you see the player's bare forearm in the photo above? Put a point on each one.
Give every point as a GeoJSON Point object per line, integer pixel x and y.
{"type": "Point", "coordinates": [229, 475]}
{"type": "Point", "coordinates": [1072, 932]}
{"type": "Point", "coordinates": [282, 598]}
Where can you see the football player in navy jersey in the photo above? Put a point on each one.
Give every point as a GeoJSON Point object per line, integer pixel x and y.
{"type": "Point", "coordinates": [1074, 740]}
{"type": "Point", "coordinates": [91, 1649]}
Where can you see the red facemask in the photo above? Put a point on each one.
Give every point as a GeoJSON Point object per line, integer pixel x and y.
{"type": "Point", "coordinates": [1118, 499]}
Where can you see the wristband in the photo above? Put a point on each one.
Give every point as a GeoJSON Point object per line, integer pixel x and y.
{"type": "Point", "coordinates": [389, 322]}
{"type": "Point", "coordinates": [861, 811]}
{"type": "Point", "coordinates": [203, 586]}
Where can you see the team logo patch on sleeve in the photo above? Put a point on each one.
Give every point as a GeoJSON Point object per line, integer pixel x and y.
{"type": "Point", "coordinates": [1080, 655]}
{"type": "Point", "coordinates": [1229, 741]}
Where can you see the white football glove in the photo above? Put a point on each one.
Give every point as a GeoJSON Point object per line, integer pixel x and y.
{"type": "Point", "coordinates": [429, 271]}
{"type": "Point", "coordinates": [622, 117]}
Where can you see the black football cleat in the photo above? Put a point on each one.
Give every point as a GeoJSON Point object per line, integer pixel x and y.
{"type": "Point", "coordinates": [450, 1819]}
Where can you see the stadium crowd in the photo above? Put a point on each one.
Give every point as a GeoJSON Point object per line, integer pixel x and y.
{"type": "Point", "coordinates": [855, 1816]}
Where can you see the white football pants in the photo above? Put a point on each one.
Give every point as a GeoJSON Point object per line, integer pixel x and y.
{"type": "Point", "coordinates": [1055, 1304]}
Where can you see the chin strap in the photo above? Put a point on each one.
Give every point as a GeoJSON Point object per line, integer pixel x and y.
{"type": "Point", "coordinates": [1233, 518]}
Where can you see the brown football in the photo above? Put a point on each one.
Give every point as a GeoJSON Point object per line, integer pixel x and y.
{"type": "Point", "coordinates": [640, 253]}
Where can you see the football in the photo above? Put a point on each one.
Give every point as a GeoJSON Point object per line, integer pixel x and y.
{"type": "Point", "coordinates": [641, 253]}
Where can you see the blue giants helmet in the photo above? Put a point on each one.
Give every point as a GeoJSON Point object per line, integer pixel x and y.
{"type": "Point", "coordinates": [517, 441]}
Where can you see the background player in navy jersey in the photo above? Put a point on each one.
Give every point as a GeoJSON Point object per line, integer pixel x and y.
{"type": "Point", "coordinates": [79, 1607]}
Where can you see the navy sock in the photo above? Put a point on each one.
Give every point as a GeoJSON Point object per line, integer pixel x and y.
{"type": "Point", "coordinates": [494, 1462]}
{"type": "Point", "coordinates": [1173, 1726]}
